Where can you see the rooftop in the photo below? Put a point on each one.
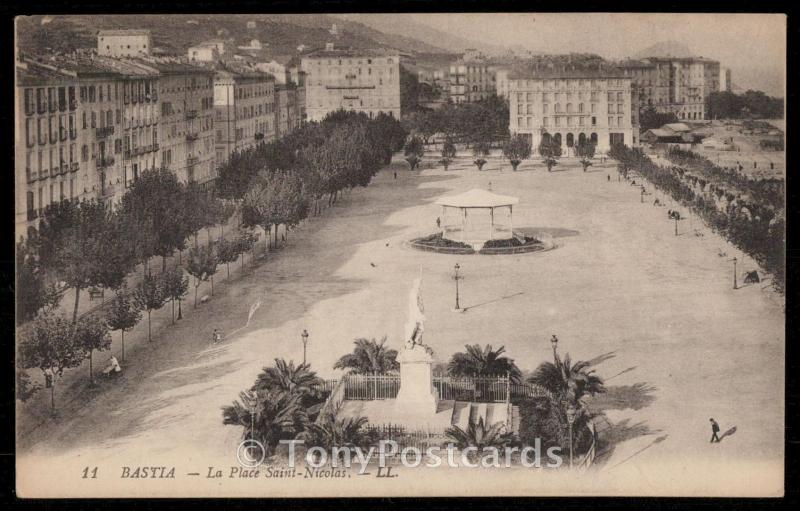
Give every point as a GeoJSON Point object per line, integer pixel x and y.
{"type": "Point", "coordinates": [350, 52]}
{"type": "Point", "coordinates": [124, 32]}
{"type": "Point", "coordinates": [477, 198]}
{"type": "Point", "coordinates": [593, 70]}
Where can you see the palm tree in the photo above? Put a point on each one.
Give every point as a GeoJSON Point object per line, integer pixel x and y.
{"type": "Point", "coordinates": [369, 356]}
{"type": "Point", "coordinates": [288, 377]}
{"type": "Point", "coordinates": [568, 380]}
{"type": "Point", "coordinates": [479, 436]}
{"type": "Point", "coordinates": [483, 362]}
{"type": "Point", "coordinates": [333, 430]}
{"type": "Point", "coordinates": [266, 415]}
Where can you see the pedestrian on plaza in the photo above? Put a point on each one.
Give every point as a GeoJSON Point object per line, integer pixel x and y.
{"type": "Point", "coordinates": [216, 336]}
{"type": "Point", "coordinates": [608, 177]}
{"type": "Point", "coordinates": [438, 222]}
{"type": "Point", "coordinates": [395, 174]}
{"type": "Point", "coordinates": [714, 431]}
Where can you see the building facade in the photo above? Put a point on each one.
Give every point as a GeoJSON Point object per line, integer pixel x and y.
{"type": "Point", "coordinates": [123, 43]}
{"type": "Point", "coordinates": [572, 106]}
{"type": "Point", "coordinates": [471, 78]}
{"type": "Point", "coordinates": [674, 85]}
{"type": "Point", "coordinates": [244, 110]}
{"type": "Point", "coordinates": [47, 140]}
{"type": "Point", "coordinates": [186, 134]}
{"type": "Point", "coordinates": [360, 80]}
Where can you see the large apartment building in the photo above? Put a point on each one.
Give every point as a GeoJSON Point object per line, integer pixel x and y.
{"type": "Point", "coordinates": [471, 78]}
{"type": "Point", "coordinates": [186, 134]}
{"type": "Point", "coordinates": [244, 110]}
{"type": "Point", "coordinates": [48, 138]}
{"type": "Point", "coordinates": [572, 105]}
{"type": "Point", "coordinates": [674, 85]}
{"type": "Point", "coordinates": [361, 80]}
{"type": "Point", "coordinates": [124, 43]}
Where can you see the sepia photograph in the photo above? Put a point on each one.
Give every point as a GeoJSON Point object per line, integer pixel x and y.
{"type": "Point", "coordinates": [400, 254]}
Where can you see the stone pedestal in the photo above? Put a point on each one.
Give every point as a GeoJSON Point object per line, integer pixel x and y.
{"type": "Point", "coordinates": [417, 397]}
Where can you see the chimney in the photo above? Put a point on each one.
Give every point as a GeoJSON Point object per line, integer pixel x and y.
{"type": "Point", "coordinates": [328, 46]}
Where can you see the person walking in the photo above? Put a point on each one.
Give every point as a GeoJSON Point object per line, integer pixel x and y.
{"type": "Point", "coordinates": [714, 431]}
{"type": "Point", "coordinates": [608, 177]}
{"type": "Point", "coordinates": [216, 336]}
{"type": "Point", "coordinates": [438, 222]}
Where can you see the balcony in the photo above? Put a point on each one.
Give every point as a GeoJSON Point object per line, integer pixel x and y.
{"type": "Point", "coordinates": [191, 137]}
{"type": "Point", "coordinates": [104, 132]}
{"type": "Point", "coordinates": [30, 175]}
{"type": "Point", "coordinates": [191, 114]}
{"type": "Point", "coordinates": [44, 173]}
{"type": "Point", "coordinates": [74, 166]}
{"type": "Point", "coordinates": [63, 169]}
{"type": "Point", "coordinates": [191, 161]}
{"type": "Point", "coordinates": [105, 162]}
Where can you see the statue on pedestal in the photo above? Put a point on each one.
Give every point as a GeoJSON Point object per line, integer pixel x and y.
{"type": "Point", "coordinates": [415, 325]}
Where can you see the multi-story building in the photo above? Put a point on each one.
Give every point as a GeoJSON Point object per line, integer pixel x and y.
{"type": "Point", "coordinates": [572, 105]}
{"type": "Point", "coordinates": [211, 51]}
{"type": "Point", "coordinates": [674, 85]}
{"type": "Point", "coordinates": [244, 110]}
{"type": "Point", "coordinates": [47, 138]}
{"type": "Point", "coordinates": [124, 43]}
{"type": "Point", "coordinates": [186, 134]}
{"type": "Point", "coordinates": [471, 78]}
{"type": "Point", "coordinates": [285, 109]}
{"type": "Point", "coordinates": [350, 79]}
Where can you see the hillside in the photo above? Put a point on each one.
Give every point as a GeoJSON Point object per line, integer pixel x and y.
{"type": "Point", "coordinates": [282, 34]}
{"type": "Point", "coordinates": [665, 49]}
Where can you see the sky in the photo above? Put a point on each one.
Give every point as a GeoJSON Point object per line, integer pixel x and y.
{"type": "Point", "coordinates": [752, 44]}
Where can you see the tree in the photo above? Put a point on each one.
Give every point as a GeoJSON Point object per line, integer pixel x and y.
{"type": "Point", "coordinates": [176, 287]}
{"type": "Point", "coordinates": [480, 150]}
{"type": "Point", "coordinates": [570, 381]}
{"type": "Point", "coordinates": [299, 379]}
{"type": "Point", "coordinates": [149, 296]}
{"type": "Point", "coordinates": [227, 253]}
{"type": "Point", "coordinates": [649, 118]}
{"type": "Point", "coordinates": [516, 149]}
{"type": "Point", "coordinates": [155, 206]}
{"type": "Point", "coordinates": [124, 314]}
{"type": "Point", "coordinates": [448, 152]}
{"type": "Point", "coordinates": [79, 243]}
{"type": "Point", "coordinates": [245, 242]}
{"type": "Point", "coordinates": [275, 198]}
{"type": "Point", "coordinates": [25, 389]}
{"type": "Point", "coordinates": [550, 150]}
{"type": "Point", "coordinates": [479, 436]}
{"type": "Point", "coordinates": [369, 357]}
{"type": "Point", "coordinates": [92, 334]}
{"type": "Point", "coordinates": [414, 150]}
{"type": "Point", "coordinates": [48, 343]}
{"type": "Point", "coordinates": [333, 429]}
{"type": "Point", "coordinates": [585, 151]}
{"type": "Point", "coordinates": [483, 362]}
{"type": "Point", "coordinates": [266, 416]}
{"type": "Point", "coordinates": [201, 264]}
{"type": "Point", "coordinates": [32, 293]}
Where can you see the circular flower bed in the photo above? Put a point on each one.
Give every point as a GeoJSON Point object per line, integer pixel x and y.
{"type": "Point", "coordinates": [519, 244]}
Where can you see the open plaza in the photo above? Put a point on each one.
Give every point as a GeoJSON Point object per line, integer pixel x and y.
{"type": "Point", "coordinates": [656, 312]}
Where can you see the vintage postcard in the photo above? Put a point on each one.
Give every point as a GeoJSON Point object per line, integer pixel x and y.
{"type": "Point", "coordinates": [451, 254]}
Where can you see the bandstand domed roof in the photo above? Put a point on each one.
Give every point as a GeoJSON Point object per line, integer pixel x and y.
{"type": "Point", "coordinates": [477, 198]}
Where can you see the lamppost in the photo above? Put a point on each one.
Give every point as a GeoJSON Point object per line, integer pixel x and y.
{"type": "Point", "coordinates": [734, 273]}
{"type": "Point", "coordinates": [457, 277]}
{"type": "Point", "coordinates": [554, 344]}
{"type": "Point", "coordinates": [676, 224]}
{"type": "Point", "coordinates": [304, 336]}
{"type": "Point", "coordinates": [570, 420]}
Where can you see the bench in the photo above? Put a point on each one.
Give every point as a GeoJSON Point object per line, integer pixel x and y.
{"type": "Point", "coordinates": [95, 293]}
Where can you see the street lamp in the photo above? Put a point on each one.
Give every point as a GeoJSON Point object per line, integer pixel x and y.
{"type": "Point", "coordinates": [304, 335]}
{"type": "Point", "coordinates": [457, 277]}
{"type": "Point", "coordinates": [554, 344]}
{"type": "Point", "coordinates": [734, 273]}
{"type": "Point", "coordinates": [571, 412]}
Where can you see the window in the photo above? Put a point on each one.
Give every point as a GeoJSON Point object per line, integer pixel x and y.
{"type": "Point", "coordinates": [594, 121]}
{"type": "Point", "coordinates": [85, 153]}
{"type": "Point", "coordinates": [30, 137]}
{"type": "Point", "coordinates": [610, 121]}
{"type": "Point", "coordinates": [30, 103]}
